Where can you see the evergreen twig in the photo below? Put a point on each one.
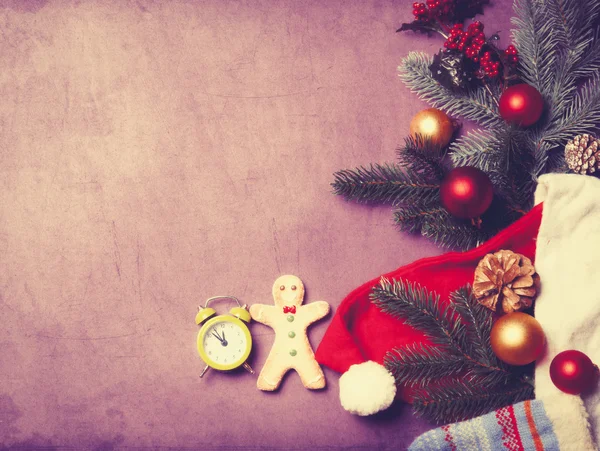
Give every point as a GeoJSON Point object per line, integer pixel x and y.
{"type": "Point", "coordinates": [420, 364]}
{"type": "Point", "coordinates": [478, 324]}
{"type": "Point", "coordinates": [420, 309]}
{"type": "Point", "coordinates": [419, 155]}
{"type": "Point", "coordinates": [477, 105]}
{"type": "Point", "coordinates": [412, 217]}
{"type": "Point", "coordinates": [440, 322]}
{"type": "Point", "coordinates": [559, 54]}
{"type": "Point", "coordinates": [383, 183]}
{"type": "Point", "coordinates": [460, 400]}
{"type": "Point", "coordinates": [536, 41]}
{"type": "Point", "coordinates": [449, 232]}
{"type": "Point", "coordinates": [590, 65]}
{"type": "Point", "coordinates": [582, 115]}
{"type": "Point", "coordinates": [460, 350]}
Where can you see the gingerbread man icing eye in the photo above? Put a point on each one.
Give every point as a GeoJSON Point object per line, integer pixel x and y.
{"type": "Point", "coordinates": [282, 287]}
{"type": "Point", "coordinates": [293, 287]}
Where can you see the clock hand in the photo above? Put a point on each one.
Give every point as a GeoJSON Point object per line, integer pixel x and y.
{"type": "Point", "coordinates": [224, 342]}
{"type": "Point", "coordinates": [218, 336]}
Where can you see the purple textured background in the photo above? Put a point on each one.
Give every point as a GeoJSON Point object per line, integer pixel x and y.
{"type": "Point", "coordinates": [154, 154]}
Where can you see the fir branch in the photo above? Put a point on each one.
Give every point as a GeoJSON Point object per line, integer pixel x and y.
{"type": "Point", "coordinates": [460, 400]}
{"type": "Point", "coordinates": [581, 116]}
{"type": "Point", "coordinates": [573, 24]}
{"type": "Point", "coordinates": [559, 48]}
{"type": "Point", "coordinates": [420, 309]}
{"type": "Point", "coordinates": [420, 364]}
{"type": "Point", "coordinates": [440, 323]}
{"type": "Point", "coordinates": [419, 155]}
{"type": "Point", "coordinates": [556, 161]}
{"type": "Point", "coordinates": [512, 178]}
{"type": "Point", "coordinates": [476, 105]}
{"type": "Point", "coordinates": [537, 44]}
{"type": "Point", "coordinates": [565, 15]}
{"type": "Point", "coordinates": [477, 148]}
{"type": "Point", "coordinates": [412, 217]}
{"type": "Point", "coordinates": [383, 183]}
{"type": "Point", "coordinates": [588, 13]}
{"type": "Point", "coordinates": [589, 65]}
{"type": "Point", "coordinates": [478, 320]}
{"type": "Point", "coordinates": [573, 30]}
{"type": "Point", "coordinates": [452, 233]}
{"type": "Point", "coordinates": [459, 376]}
{"type": "Point", "coordinates": [570, 45]}
{"type": "Point", "coordinates": [505, 155]}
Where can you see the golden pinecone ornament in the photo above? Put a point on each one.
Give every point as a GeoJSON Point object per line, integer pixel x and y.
{"type": "Point", "coordinates": [581, 154]}
{"type": "Point", "coordinates": [507, 277]}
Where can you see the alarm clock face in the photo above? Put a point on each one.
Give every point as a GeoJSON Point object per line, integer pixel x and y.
{"type": "Point", "coordinates": [224, 343]}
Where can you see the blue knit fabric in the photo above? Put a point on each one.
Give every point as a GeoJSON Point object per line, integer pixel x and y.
{"type": "Point", "coordinates": [521, 427]}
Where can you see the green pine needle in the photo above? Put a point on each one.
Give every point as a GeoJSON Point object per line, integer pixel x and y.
{"type": "Point", "coordinates": [478, 320]}
{"type": "Point", "coordinates": [411, 218]}
{"type": "Point", "coordinates": [455, 234]}
{"type": "Point", "coordinates": [463, 399]}
{"type": "Point", "coordinates": [420, 309]}
{"type": "Point", "coordinates": [477, 105]}
{"type": "Point", "coordinates": [420, 364]}
{"type": "Point", "coordinates": [559, 54]}
{"type": "Point", "coordinates": [419, 155]}
{"type": "Point", "coordinates": [383, 183]}
{"type": "Point", "coordinates": [458, 349]}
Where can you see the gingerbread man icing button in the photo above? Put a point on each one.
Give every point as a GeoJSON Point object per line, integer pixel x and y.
{"type": "Point", "coordinates": [290, 320]}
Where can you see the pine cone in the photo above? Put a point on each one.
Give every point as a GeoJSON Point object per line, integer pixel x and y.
{"type": "Point", "coordinates": [508, 277]}
{"type": "Point", "coordinates": [582, 155]}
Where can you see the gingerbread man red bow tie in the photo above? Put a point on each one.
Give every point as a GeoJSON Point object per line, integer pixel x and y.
{"type": "Point", "coordinates": [289, 309]}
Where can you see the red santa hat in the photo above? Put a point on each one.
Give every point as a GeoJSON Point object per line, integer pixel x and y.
{"type": "Point", "coordinates": [360, 334]}
{"type": "Point", "coordinates": [564, 242]}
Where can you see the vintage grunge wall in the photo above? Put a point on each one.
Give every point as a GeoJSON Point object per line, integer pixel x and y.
{"type": "Point", "coordinates": [156, 153]}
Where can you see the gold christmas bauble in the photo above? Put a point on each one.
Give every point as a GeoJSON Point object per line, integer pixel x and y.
{"type": "Point", "coordinates": [432, 124]}
{"type": "Point", "coordinates": [517, 338]}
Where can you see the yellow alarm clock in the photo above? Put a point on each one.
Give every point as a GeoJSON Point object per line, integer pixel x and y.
{"type": "Point", "coordinates": [224, 341]}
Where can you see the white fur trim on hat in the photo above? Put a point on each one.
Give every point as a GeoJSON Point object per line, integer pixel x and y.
{"type": "Point", "coordinates": [366, 388]}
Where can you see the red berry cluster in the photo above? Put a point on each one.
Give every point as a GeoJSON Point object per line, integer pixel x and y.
{"type": "Point", "coordinates": [489, 66]}
{"type": "Point", "coordinates": [420, 12]}
{"type": "Point", "coordinates": [511, 54]}
{"type": "Point", "coordinates": [471, 42]}
{"type": "Point", "coordinates": [434, 8]}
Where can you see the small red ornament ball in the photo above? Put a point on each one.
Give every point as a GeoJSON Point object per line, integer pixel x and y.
{"type": "Point", "coordinates": [521, 105]}
{"type": "Point", "coordinates": [573, 372]}
{"type": "Point", "coordinates": [466, 192]}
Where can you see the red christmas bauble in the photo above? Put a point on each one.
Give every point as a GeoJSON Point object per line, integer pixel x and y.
{"type": "Point", "coordinates": [573, 372]}
{"type": "Point", "coordinates": [521, 105]}
{"type": "Point", "coordinates": [466, 192]}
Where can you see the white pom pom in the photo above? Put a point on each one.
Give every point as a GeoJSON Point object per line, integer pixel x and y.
{"type": "Point", "coordinates": [367, 388]}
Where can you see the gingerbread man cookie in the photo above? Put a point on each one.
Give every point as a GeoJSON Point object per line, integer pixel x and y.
{"type": "Point", "coordinates": [291, 350]}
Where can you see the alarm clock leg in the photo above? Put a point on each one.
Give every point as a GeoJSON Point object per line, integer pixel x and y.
{"type": "Point", "coordinates": [204, 371]}
{"type": "Point", "coordinates": [248, 368]}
